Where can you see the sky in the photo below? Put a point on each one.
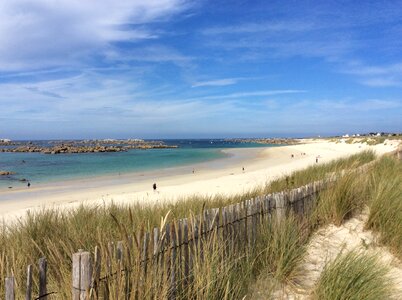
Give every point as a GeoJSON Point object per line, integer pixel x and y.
{"type": "Point", "coordinates": [199, 69]}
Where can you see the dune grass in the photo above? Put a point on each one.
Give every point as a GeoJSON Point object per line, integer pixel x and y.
{"type": "Point", "coordinates": [319, 171]}
{"type": "Point", "coordinates": [344, 199]}
{"type": "Point", "coordinates": [283, 243]}
{"type": "Point", "coordinates": [385, 203]}
{"type": "Point", "coordinates": [57, 234]}
{"type": "Point", "coordinates": [354, 276]}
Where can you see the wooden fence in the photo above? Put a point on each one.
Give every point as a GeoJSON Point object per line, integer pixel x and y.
{"type": "Point", "coordinates": [165, 257]}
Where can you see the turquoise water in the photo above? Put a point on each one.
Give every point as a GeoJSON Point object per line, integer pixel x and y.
{"type": "Point", "coordinates": [42, 168]}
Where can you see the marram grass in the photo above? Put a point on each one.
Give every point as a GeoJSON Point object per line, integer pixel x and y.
{"type": "Point", "coordinates": [354, 276]}
{"type": "Point", "coordinates": [385, 203]}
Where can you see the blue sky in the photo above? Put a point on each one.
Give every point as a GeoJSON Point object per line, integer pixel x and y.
{"type": "Point", "coordinates": [183, 69]}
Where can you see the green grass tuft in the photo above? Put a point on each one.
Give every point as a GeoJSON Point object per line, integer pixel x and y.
{"type": "Point", "coordinates": [354, 276]}
{"type": "Point", "coordinates": [385, 202]}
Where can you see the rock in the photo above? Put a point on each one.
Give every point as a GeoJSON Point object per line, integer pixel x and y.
{"type": "Point", "coordinates": [5, 173]}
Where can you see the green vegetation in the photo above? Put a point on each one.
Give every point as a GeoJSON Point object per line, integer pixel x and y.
{"type": "Point", "coordinates": [385, 202]}
{"type": "Point", "coordinates": [283, 242]}
{"type": "Point", "coordinates": [344, 199]}
{"type": "Point", "coordinates": [319, 171]}
{"type": "Point", "coordinates": [354, 276]}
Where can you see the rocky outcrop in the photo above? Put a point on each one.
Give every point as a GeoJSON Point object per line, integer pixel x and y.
{"type": "Point", "coordinates": [6, 173]}
{"type": "Point", "coordinates": [92, 146]}
{"type": "Point", "coordinates": [276, 141]}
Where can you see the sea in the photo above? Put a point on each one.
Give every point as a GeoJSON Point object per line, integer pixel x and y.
{"type": "Point", "coordinates": [44, 168]}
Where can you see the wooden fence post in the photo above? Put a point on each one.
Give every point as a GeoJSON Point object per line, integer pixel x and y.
{"type": "Point", "coordinates": [76, 274]}
{"type": "Point", "coordinates": [186, 252]}
{"type": "Point", "coordinates": [82, 275]}
{"type": "Point", "coordinates": [42, 278]}
{"type": "Point", "coordinates": [9, 285]}
{"type": "Point", "coordinates": [28, 293]}
{"type": "Point", "coordinates": [279, 206]}
{"type": "Point", "coordinates": [120, 251]}
{"type": "Point", "coordinates": [172, 292]}
{"type": "Point", "coordinates": [85, 274]}
{"type": "Point", "coordinates": [145, 254]}
{"type": "Point", "coordinates": [155, 261]}
{"type": "Point", "coordinates": [97, 271]}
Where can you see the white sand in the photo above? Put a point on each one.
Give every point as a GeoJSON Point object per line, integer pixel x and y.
{"type": "Point", "coordinates": [224, 176]}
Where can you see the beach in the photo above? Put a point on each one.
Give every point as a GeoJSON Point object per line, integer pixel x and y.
{"type": "Point", "coordinates": [223, 176]}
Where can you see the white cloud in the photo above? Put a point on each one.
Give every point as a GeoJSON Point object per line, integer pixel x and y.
{"type": "Point", "coordinates": [217, 82]}
{"type": "Point", "coordinates": [43, 33]}
{"type": "Point", "coordinates": [376, 75]}
{"type": "Point", "coordinates": [251, 94]}
{"type": "Point", "coordinates": [263, 27]}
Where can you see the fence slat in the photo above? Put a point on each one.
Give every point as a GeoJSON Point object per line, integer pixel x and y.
{"type": "Point", "coordinates": [76, 274]}
{"type": "Point", "coordinates": [85, 275]}
{"type": "Point", "coordinates": [97, 270]}
{"type": "Point", "coordinates": [186, 251]}
{"type": "Point", "coordinates": [42, 278]}
{"type": "Point", "coordinates": [9, 285]}
{"type": "Point", "coordinates": [145, 254]}
{"type": "Point", "coordinates": [28, 293]}
{"type": "Point", "coordinates": [120, 251]}
{"type": "Point", "coordinates": [172, 290]}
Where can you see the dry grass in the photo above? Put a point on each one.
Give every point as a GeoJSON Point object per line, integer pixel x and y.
{"type": "Point", "coordinates": [354, 276]}
{"type": "Point", "coordinates": [385, 202]}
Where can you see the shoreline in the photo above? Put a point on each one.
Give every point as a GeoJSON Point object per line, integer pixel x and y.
{"type": "Point", "coordinates": [222, 176]}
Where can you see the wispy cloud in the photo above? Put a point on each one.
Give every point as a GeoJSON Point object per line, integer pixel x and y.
{"type": "Point", "coordinates": [217, 82]}
{"type": "Point", "coordinates": [41, 33]}
{"type": "Point", "coordinates": [251, 94]}
{"type": "Point", "coordinates": [263, 27]}
{"type": "Point", "coordinates": [389, 75]}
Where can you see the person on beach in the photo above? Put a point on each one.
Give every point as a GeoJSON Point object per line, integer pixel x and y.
{"type": "Point", "coordinates": [243, 169]}
{"type": "Point", "coordinates": [316, 160]}
{"type": "Point", "coordinates": [292, 156]}
{"type": "Point", "coordinates": [29, 184]}
{"type": "Point", "coordinates": [154, 187]}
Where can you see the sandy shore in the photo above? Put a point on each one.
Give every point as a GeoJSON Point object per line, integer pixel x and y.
{"type": "Point", "coordinates": [223, 176]}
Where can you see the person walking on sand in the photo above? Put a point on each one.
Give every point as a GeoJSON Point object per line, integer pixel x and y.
{"type": "Point", "coordinates": [29, 184]}
{"type": "Point", "coordinates": [154, 187]}
{"type": "Point", "coordinates": [316, 159]}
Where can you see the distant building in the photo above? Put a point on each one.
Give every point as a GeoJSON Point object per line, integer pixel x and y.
{"type": "Point", "coordinates": [5, 140]}
{"type": "Point", "coordinates": [345, 135]}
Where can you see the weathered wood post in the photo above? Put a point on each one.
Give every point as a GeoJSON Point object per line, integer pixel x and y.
{"type": "Point", "coordinates": [42, 278]}
{"type": "Point", "coordinates": [76, 274]}
{"type": "Point", "coordinates": [119, 252]}
{"type": "Point", "coordinates": [186, 252]}
{"type": "Point", "coordinates": [9, 285]}
{"type": "Point", "coordinates": [173, 254]}
{"type": "Point", "coordinates": [155, 261]}
{"type": "Point", "coordinates": [82, 275]}
{"type": "Point", "coordinates": [144, 257]}
{"type": "Point", "coordinates": [97, 271]}
{"type": "Point", "coordinates": [28, 293]}
{"type": "Point", "coordinates": [279, 206]}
